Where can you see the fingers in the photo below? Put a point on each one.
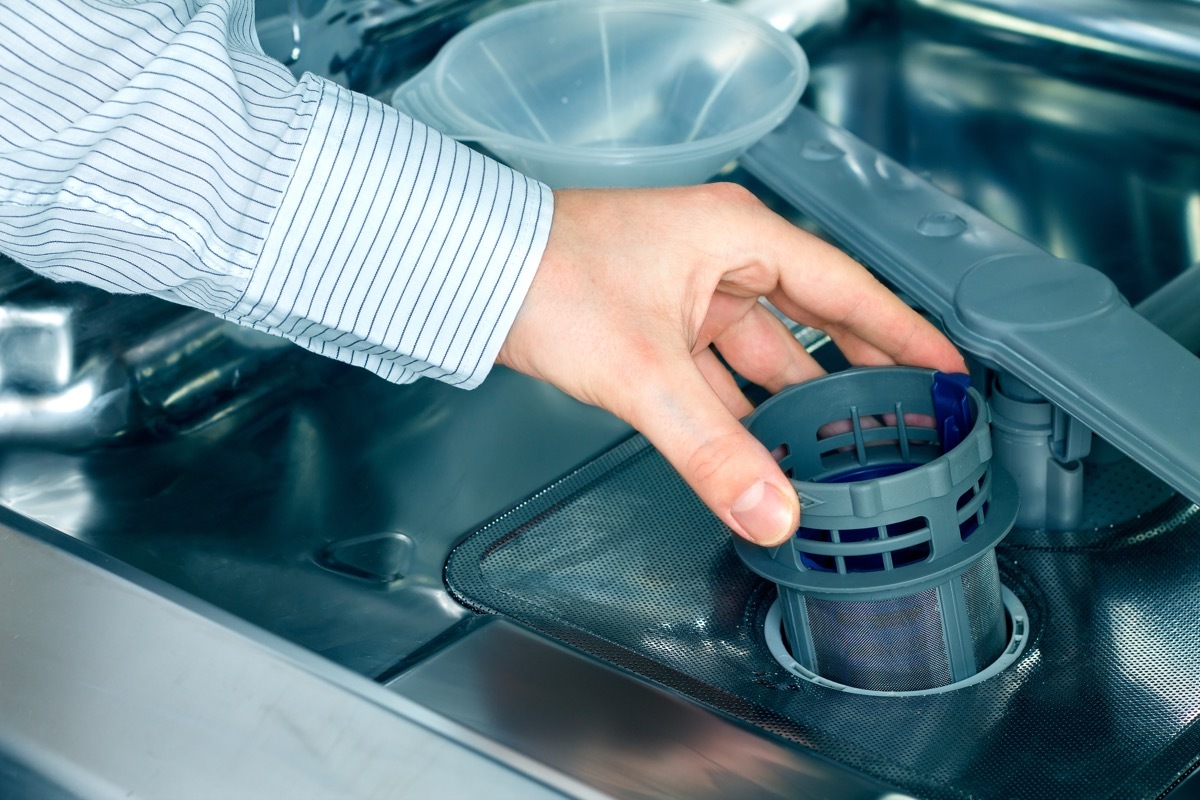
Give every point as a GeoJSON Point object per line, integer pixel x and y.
{"type": "Point", "coordinates": [816, 284]}
{"type": "Point", "coordinates": [731, 472]}
{"type": "Point", "coordinates": [911, 339]}
{"type": "Point", "coordinates": [722, 383]}
{"type": "Point", "coordinates": [870, 324]}
{"type": "Point", "coordinates": [760, 348]}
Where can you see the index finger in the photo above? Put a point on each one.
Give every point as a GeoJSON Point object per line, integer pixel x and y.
{"type": "Point", "coordinates": [821, 286]}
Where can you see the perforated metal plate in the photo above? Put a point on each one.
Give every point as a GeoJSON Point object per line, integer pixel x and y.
{"type": "Point", "coordinates": [621, 560]}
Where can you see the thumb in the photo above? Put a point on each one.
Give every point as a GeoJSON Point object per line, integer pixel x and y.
{"type": "Point", "coordinates": [731, 472]}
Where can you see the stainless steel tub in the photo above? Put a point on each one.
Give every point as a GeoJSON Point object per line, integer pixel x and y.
{"type": "Point", "coordinates": [316, 524]}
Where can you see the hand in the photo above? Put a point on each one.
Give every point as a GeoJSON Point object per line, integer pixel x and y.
{"type": "Point", "coordinates": [635, 285]}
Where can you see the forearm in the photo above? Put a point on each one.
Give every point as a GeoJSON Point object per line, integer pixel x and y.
{"type": "Point", "coordinates": [151, 147]}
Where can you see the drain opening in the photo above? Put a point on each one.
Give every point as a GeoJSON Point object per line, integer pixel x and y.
{"type": "Point", "coordinates": [1018, 636]}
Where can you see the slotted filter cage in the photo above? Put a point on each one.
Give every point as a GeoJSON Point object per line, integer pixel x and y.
{"type": "Point", "coordinates": [891, 582]}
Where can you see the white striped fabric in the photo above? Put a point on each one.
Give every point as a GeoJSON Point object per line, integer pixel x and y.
{"type": "Point", "coordinates": [149, 146]}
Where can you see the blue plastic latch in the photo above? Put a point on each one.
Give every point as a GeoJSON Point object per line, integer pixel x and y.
{"type": "Point", "coordinates": [951, 407]}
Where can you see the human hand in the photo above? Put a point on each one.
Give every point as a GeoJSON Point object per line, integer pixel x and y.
{"type": "Point", "coordinates": [636, 284]}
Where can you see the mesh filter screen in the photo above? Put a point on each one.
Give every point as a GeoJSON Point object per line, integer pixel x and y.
{"type": "Point", "coordinates": [621, 560]}
{"type": "Point", "coordinates": [887, 645]}
{"type": "Point", "coordinates": [985, 611]}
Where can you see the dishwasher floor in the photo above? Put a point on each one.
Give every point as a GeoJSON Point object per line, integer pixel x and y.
{"type": "Point", "coordinates": [618, 559]}
{"type": "Point", "coordinates": [622, 561]}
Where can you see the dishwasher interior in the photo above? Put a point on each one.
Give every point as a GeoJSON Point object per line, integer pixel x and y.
{"type": "Point", "coordinates": [489, 555]}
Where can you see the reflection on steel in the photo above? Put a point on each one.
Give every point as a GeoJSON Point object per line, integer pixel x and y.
{"type": "Point", "coordinates": [36, 346]}
{"type": "Point", "coordinates": [92, 409]}
{"type": "Point", "coordinates": [325, 517]}
{"type": "Point", "coordinates": [796, 18]}
{"type": "Point", "coordinates": [624, 737]}
{"type": "Point", "coordinates": [81, 368]}
{"type": "Point", "coordinates": [1173, 308]}
{"type": "Point", "coordinates": [1154, 34]}
{"type": "Point", "coordinates": [114, 689]}
{"type": "Point", "coordinates": [198, 369]}
{"type": "Point", "coordinates": [1092, 174]}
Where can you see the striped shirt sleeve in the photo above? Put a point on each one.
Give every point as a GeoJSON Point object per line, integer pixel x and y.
{"type": "Point", "coordinates": [149, 146]}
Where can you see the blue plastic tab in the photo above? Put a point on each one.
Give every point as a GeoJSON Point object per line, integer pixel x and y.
{"type": "Point", "coordinates": [951, 407]}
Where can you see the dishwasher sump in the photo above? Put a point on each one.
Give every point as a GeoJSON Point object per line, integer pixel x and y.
{"type": "Point", "coordinates": [890, 584]}
{"type": "Point", "coordinates": [620, 560]}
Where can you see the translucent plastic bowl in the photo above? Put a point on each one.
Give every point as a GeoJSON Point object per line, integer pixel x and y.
{"type": "Point", "coordinates": [611, 92]}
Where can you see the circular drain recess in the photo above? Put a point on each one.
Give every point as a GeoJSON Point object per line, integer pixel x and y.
{"type": "Point", "coordinates": [1018, 624]}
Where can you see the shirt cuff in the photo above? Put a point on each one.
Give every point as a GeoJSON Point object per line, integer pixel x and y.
{"type": "Point", "coordinates": [396, 248]}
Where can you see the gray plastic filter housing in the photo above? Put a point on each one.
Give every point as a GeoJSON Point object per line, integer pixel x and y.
{"type": "Point", "coordinates": [890, 584]}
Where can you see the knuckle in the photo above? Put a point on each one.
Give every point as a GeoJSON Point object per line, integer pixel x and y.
{"type": "Point", "coordinates": [729, 194]}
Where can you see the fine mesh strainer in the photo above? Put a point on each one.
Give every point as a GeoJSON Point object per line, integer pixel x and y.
{"type": "Point", "coordinates": [891, 582]}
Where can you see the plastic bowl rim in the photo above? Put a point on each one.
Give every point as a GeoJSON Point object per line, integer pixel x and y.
{"type": "Point", "coordinates": [733, 140]}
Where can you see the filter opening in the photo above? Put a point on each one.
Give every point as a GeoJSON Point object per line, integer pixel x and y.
{"type": "Point", "coordinates": [898, 544]}
{"type": "Point", "coordinates": [875, 442]}
{"type": "Point", "coordinates": [1017, 620]}
{"type": "Point", "coordinates": [912, 555]}
{"type": "Point", "coordinates": [973, 506]}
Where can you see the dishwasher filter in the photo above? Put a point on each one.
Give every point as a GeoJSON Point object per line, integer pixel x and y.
{"type": "Point", "coordinates": [891, 583]}
{"type": "Point", "coordinates": [621, 560]}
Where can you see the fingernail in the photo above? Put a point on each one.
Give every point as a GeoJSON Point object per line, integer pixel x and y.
{"type": "Point", "coordinates": [764, 513]}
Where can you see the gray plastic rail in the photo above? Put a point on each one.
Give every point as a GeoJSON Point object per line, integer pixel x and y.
{"type": "Point", "coordinates": [1061, 327]}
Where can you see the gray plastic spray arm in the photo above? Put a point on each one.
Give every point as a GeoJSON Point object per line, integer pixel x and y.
{"type": "Point", "coordinates": [1060, 326]}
